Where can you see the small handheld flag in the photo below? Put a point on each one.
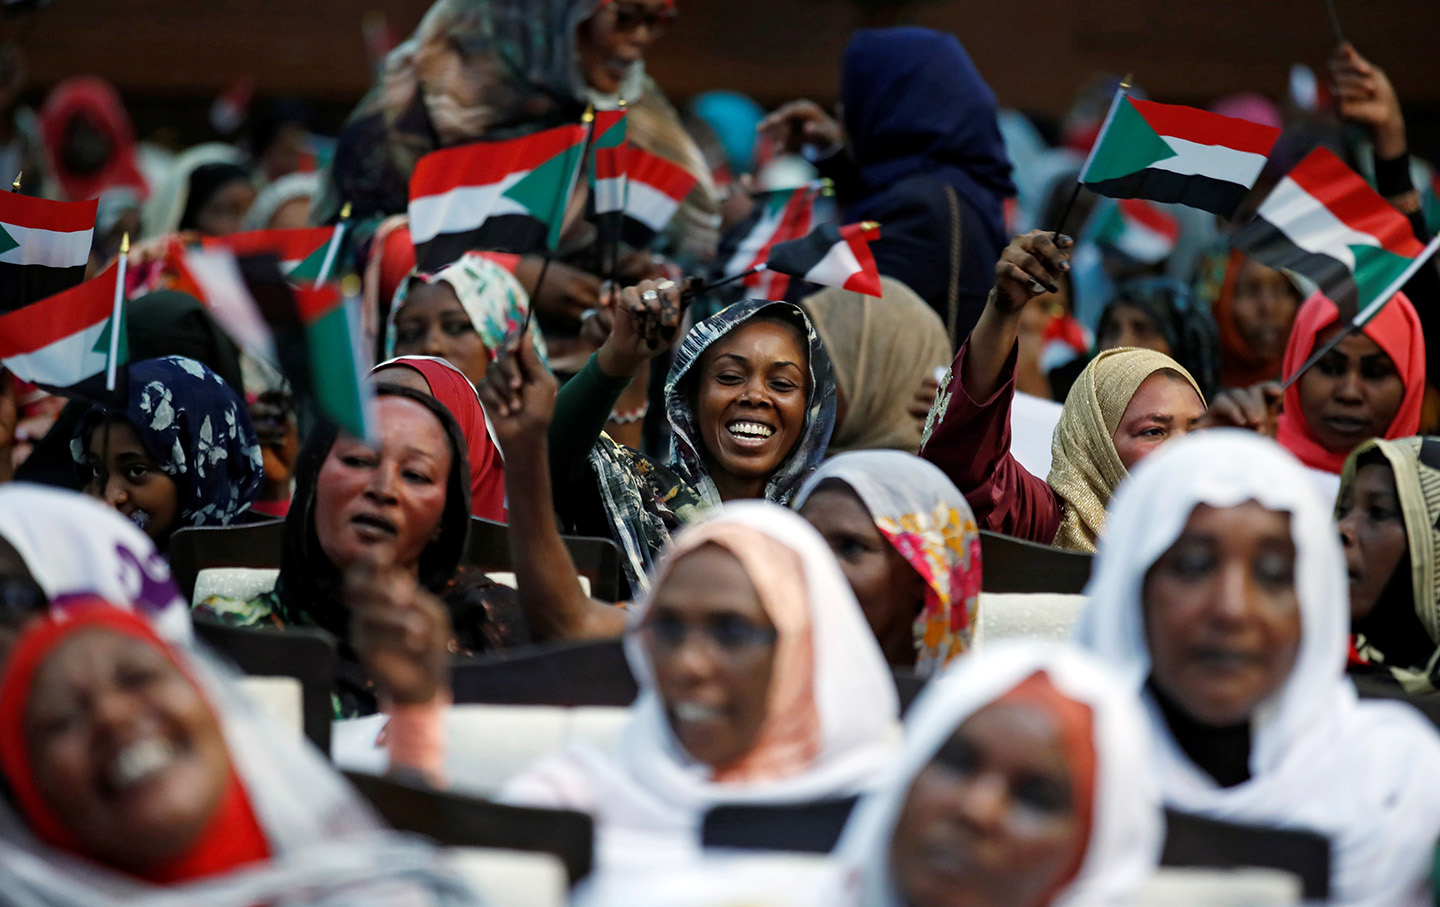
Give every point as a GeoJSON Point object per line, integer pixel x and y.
{"type": "Point", "coordinates": [44, 247]}
{"type": "Point", "coordinates": [68, 339]}
{"type": "Point", "coordinates": [301, 252]}
{"type": "Point", "coordinates": [776, 217]}
{"type": "Point", "coordinates": [1169, 153]}
{"type": "Point", "coordinates": [833, 257]}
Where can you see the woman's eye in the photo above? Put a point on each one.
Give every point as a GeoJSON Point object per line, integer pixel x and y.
{"type": "Point", "coordinates": [136, 472]}
{"type": "Point", "coordinates": [957, 756]}
{"type": "Point", "coordinates": [417, 478]}
{"type": "Point", "coordinates": [457, 328]}
{"type": "Point", "coordinates": [783, 386]}
{"type": "Point", "coordinates": [1043, 795]}
{"type": "Point", "coordinates": [1332, 367]}
{"type": "Point", "coordinates": [357, 461]}
{"type": "Point", "coordinates": [1275, 569]}
{"type": "Point", "coordinates": [1191, 563]}
{"type": "Point", "coordinates": [850, 549]}
{"type": "Point", "coordinates": [1376, 370]}
{"type": "Point", "coordinates": [729, 379]}
{"type": "Point", "coordinates": [409, 335]}
{"type": "Point", "coordinates": [1153, 431]}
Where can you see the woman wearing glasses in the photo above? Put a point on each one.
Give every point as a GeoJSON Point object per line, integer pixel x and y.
{"type": "Point", "coordinates": [760, 683]}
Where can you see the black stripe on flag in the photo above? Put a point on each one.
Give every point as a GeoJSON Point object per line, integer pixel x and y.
{"type": "Point", "coordinates": [798, 256]}
{"type": "Point", "coordinates": [1204, 192]}
{"type": "Point", "coordinates": [21, 285]}
{"type": "Point", "coordinates": [1269, 245]}
{"type": "Point", "coordinates": [516, 233]}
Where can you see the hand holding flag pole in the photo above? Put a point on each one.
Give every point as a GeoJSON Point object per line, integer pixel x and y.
{"type": "Point", "coordinates": [1364, 315]}
{"type": "Point", "coordinates": [116, 323]}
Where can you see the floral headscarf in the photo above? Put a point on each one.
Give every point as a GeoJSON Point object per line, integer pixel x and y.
{"type": "Point", "coordinates": [197, 429]}
{"type": "Point", "coordinates": [489, 293]}
{"type": "Point", "coordinates": [925, 517]}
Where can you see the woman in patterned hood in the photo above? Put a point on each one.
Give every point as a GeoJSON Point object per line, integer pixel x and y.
{"type": "Point", "coordinates": [751, 405]}
{"type": "Point", "coordinates": [181, 453]}
{"type": "Point", "coordinates": [1387, 509]}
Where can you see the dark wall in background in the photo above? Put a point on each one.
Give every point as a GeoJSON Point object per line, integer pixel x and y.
{"type": "Point", "coordinates": [1034, 53]}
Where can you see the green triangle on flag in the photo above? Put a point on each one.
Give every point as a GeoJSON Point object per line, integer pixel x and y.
{"type": "Point", "coordinates": [1127, 145]}
{"type": "Point", "coordinates": [308, 269]}
{"type": "Point", "coordinates": [1375, 269]}
{"type": "Point", "coordinates": [612, 137]}
{"type": "Point", "coordinates": [545, 189]}
{"type": "Point", "coordinates": [7, 242]}
{"type": "Point", "coordinates": [102, 343]}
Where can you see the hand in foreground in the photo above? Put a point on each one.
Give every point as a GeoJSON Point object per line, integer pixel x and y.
{"type": "Point", "coordinates": [800, 123]}
{"type": "Point", "coordinates": [1255, 408]}
{"type": "Point", "coordinates": [645, 321]}
{"type": "Point", "coordinates": [1029, 267]}
{"type": "Point", "coordinates": [400, 631]}
{"type": "Point", "coordinates": [518, 394]}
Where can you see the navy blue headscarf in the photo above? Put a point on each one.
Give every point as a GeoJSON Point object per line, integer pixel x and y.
{"type": "Point", "coordinates": [914, 103]}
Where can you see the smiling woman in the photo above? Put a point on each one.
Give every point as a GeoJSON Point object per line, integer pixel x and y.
{"type": "Point", "coordinates": [1219, 593]}
{"type": "Point", "coordinates": [760, 683]}
{"type": "Point", "coordinates": [136, 771]}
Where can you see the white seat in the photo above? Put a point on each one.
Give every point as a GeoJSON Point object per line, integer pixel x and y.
{"type": "Point", "coordinates": [282, 698]}
{"type": "Point", "coordinates": [1174, 887]}
{"type": "Point", "coordinates": [513, 878]}
{"type": "Point", "coordinates": [238, 583]}
{"type": "Point", "coordinates": [1027, 615]}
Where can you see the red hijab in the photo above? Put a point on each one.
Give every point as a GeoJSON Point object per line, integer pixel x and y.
{"type": "Point", "coordinates": [96, 101]}
{"type": "Point", "coordinates": [487, 467]}
{"type": "Point", "coordinates": [1396, 330]}
{"type": "Point", "coordinates": [232, 838]}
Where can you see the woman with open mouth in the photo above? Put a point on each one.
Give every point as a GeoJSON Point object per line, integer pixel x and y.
{"type": "Point", "coordinates": [1388, 510]}
{"type": "Point", "coordinates": [137, 771]}
{"type": "Point", "coordinates": [403, 503]}
{"type": "Point", "coordinates": [1024, 782]}
{"type": "Point", "coordinates": [750, 400]}
{"type": "Point", "coordinates": [759, 683]}
{"type": "Point", "coordinates": [1219, 593]}
{"type": "Point", "coordinates": [182, 452]}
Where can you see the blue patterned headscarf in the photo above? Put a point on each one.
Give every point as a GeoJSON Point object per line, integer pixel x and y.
{"type": "Point", "coordinates": [197, 429]}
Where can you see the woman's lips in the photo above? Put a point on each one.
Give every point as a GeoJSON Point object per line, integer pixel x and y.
{"type": "Point", "coordinates": [371, 527]}
{"type": "Point", "coordinates": [749, 433]}
{"type": "Point", "coordinates": [1348, 426]}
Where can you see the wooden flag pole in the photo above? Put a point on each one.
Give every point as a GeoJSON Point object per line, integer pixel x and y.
{"type": "Point", "coordinates": [116, 324]}
{"type": "Point", "coordinates": [1075, 193]}
{"type": "Point", "coordinates": [1363, 316]}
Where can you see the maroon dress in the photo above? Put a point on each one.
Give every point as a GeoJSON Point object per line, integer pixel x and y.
{"type": "Point", "coordinates": [970, 442]}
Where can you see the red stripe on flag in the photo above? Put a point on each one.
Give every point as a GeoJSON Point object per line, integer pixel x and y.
{"type": "Point", "coordinates": [1151, 217]}
{"type": "Point", "coordinates": [1351, 199]}
{"type": "Point", "coordinates": [43, 214]}
{"type": "Point", "coordinates": [858, 237]}
{"type": "Point", "coordinates": [56, 317]}
{"type": "Point", "coordinates": [655, 171]}
{"type": "Point", "coordinates": [314, 303]}
{"type": "Point", "coordinates": [604, 119]}
{"type": "Point", "coordinates": [483, 163]}
{"type": "Point", "coordinates": [1206, 128]}
{"type": "Point", "coordinates": [288, 245]}
{"type": "Point", "coordinates": [794, 223]}
{"type": "Point", "coordinates": [609, 163]}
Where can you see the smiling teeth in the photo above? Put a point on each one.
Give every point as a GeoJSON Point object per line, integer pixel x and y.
{"type": "Point", "coordinates": [753, 429]}
{"type": "Point", "coordinates": [140, 760]}
{"type": "Point", "coordinates": [693, 711]}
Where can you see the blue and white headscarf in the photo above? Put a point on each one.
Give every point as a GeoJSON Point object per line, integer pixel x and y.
{"type": "Point", "coordinates": [197, 429]}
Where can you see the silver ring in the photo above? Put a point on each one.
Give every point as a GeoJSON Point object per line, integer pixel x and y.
{"type": "Point", "coordinates": [649, 296]}
{"type": "Point", "coordinates": [665, 285]}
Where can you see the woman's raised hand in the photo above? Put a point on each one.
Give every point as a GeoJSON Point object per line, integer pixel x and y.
{"type": "Point", "coordinates": [400, 631]}
{"type": "Point", "coordinates": [1364, 95]}
{"type": "Point", "coordinates": [800, 123]}
{"type": "Point", "coordinates": [1030, 266]}
{"type": "Point", "coordinates": [644, 321]}
{"type": "Point", "coordinates": [518, 394]}
{"type": "Point", "coordinates": [1255, 408]}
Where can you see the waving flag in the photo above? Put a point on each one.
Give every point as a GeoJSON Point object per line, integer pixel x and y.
{"type": "Point", "coordinates": [654, 190]}
{"type": "Point", "coordinates": [1323, 221]}
{"type": "Point", "coordinates": [300, 251]}
{"type": "Point", "coordinates": [777, 217]}
{"type": "Point", "coordinates": [1168, 153]}
{"type": "Point", "coordinates": [64, 341]}
{"type": "Point", "coordinates": [44, 247]}
{"type": "Point", "coordinates": [833, 257]}
{"type": "Point", "coordinates": [508, 196]}
{"type": "Point", "coordinates": [1141, 231]}
{"type": "Point", "coordinates": [608, 153]}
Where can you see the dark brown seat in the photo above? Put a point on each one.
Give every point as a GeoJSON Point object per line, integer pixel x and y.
{"type": "Point", "coordinates": [1015, 565]}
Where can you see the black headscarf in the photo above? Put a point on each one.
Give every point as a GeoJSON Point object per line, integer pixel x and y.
{"type": "Point", "coordinates": [1185, 323]}
{"type": "Point", "coordinates": [205, 180]}
{"type": "Point", "coordinates": [309, 585]}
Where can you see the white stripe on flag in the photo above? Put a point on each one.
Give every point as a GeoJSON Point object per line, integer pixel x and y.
{"type": "Point", "coordinates": [1310, 225]}
{"type": "Point", "coordinates": [1143, 244]}
{"type": "Point", "coordinates": [462, 208]}
{"type": "Point", "coordinates": [753, 242]}
{"type": "Point", "coordinates": [609, 195]}
{"type": "Point", "coordinates": [1215, 161]}
{"type": "Point", "coordinates": [67, 361]}
{"type": "Point", "coordinates": [230, 302]}
{"type": "Point", "coordinates": [838, 266]}
{"type": "Point", "coordinates": [47, 247]}
{"type": "Point", "coordinates": [650, 206]}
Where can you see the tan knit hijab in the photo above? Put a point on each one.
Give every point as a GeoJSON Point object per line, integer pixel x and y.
{"type": "Point", "coordinates": [1085, 469]}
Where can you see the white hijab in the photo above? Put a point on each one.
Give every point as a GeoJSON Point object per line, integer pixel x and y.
{"type": "Point", "coordinates": [1126, 827]}
{"type": "Point", "coordinates": [649, 795]}
{"type": "Point", "coordinates": [75, 545]}
{"type": "Point", "coordinates": [1365, 774]}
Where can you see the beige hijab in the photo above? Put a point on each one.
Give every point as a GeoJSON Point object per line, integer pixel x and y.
{"type": "Point", "coordinates": [1085, 467]}
{"type": "Point", "coordinates": [882, 350]}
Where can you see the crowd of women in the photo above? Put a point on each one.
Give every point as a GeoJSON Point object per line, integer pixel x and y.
{"type": "Point", "coordinates": [795, 488]}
